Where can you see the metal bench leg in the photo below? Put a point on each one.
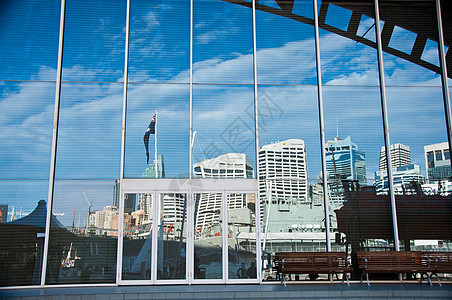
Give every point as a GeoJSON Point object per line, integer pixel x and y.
{"type": "Point", "coordinates": [367, 277]}
{"type": "Point", "coordinates": [344, 275]}
{"type": "Point", "coordinates": [437, 277]}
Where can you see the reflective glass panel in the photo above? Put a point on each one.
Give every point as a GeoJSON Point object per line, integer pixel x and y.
{"type": "Point", "coordinates": [89, 133]}
{"type": "Point", "coordinates": [360, 212]}
{"type": "Point", "coordinates": [417, 122]}
{"type": "Point", "coordinates": [411, 55]}
{"type": "Point", "coordinates": [29, 39]}
{"type": "Point", "coordinates": [94, 40]}
{"type": "Point", "coordinates": [223, 119]}
{"type": "Point", "coordinates": [170, 104]}
{"type": "Point", "coordinates": [285, 47]}
{"type": "Point", "coordinates": [26, 119]}
{"type": "Point", "coordinates": [23, 211]}
{"type": "Point", "coordinates": [83, 233]}
{"type": "Point", "coordinates": [208, 241]}
{"type": "Point", "coordinates": [172, 237]}
{"type": "Point", "coordinates": [289, 141]}
{"type": "Point", "coordinates": [137, 241]}
{"type": "Point", "coordinates": [241, 236]}
{"type": "Point", "coordinates": [222, 42]}
{"type": "Point", "coordinates": [421, 181]}
{"type": "Point", "coordinates": [159, 41]}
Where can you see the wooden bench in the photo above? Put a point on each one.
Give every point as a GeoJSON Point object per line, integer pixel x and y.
{"type": "Point", "coordinates": [409, 262]}
{"type": "Point", "coordinates": [312, 263]}
{"type": "Point", "coordinates": [441, 260]}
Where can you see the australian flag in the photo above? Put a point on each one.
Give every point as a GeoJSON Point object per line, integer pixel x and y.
{"type": "Point", "coordinates": [150, 130]}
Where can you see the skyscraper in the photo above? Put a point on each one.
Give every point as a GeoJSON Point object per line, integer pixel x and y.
{"type": "Point", "coordinates": [437, 161]}
{"type": "Point", "coordinates": [145, 201]}
{"type": "Point", "coordinates": [208, 205]}
{"type": "Point", "coordinates": [129, 199]}
{"type": "Point", "coordinates": [229, 165]}
{"type": "Point", "coordinates": [344, 160]}
{"type": "Point", "coordinates": [400, 156]}
{"type": "Point", "coordinates": [283, 171]}
{"type": "Point", "coordinates": [151, 169]}
{"type": "Point", "coordinates": [402, 175]}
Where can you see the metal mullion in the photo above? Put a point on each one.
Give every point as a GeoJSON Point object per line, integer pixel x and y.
{"type": "Point", "coordinates": [224, 235]}
{"type": "Point", "coordinates": [256, 134]}
{"type": "Point", "coordinates": [54, 143]}
{"type": "Point", "coordinates": [443, 65]}
{"type": "Point", "coordinates": [322, 129]}
{"type": "Point", "coordinates": [190, 238]}
{"type": "Point", "coordinates": [154, 232]}
{"type": "Point", "coordinates": [386, 125]}
{"type": "Point", "coordinates": [190, 245]}
{"type": "Point", "coordinates": [123, 145]}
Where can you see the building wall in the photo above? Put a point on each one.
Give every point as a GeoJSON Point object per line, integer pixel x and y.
{"type": "Point", "coordinates": [75, 106]}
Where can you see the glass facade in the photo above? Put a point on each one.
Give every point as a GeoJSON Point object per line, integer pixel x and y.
{"type": "Point", "coordinates": [180, 142]}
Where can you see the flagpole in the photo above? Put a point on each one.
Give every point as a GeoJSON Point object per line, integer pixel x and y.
{"type": "Point", "coordinates": [155, 147]}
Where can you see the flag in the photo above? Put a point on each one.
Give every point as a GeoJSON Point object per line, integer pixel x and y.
{"type": "Point", "coordinates": [150, 130]}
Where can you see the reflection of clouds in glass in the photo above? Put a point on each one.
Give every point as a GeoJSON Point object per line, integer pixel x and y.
{"type": "Point", "coordinates": [402, 40]}
{"type": "Point", "coordinates": [338, 17]}
{"type": "Point", "coordinates": [89, 131]}
{"type": "Point", "coordinates": [26, 116]}
{"type": "Point", "coordinates": [206, 37]}
{"type": "Point", "coordinates": [366, 28]}
{"type": "Point", "coordinates": [430, 53]}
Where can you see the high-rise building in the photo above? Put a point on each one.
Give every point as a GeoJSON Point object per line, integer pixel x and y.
{"type": "Point", "coordinates": [283, 171]}
{"type": "Point", "coordinates": [145, 200]}
{"type": "Point", "coordinates": [208, 205]}
{"type": "Point", "coordinates": [401, 176]}
{"type": "Point", "coordinates": [400, 156]}
{"type": "Point", "coordinates": [344, 160]}
{"type": "Point", "coordinates": [229, 165]}
{"type": "Point", "coordinates": [437, 161]}
{"type": "Point", "coordinates": [129, 199]}
{"type": "Point", "coordinates": [150, 171]}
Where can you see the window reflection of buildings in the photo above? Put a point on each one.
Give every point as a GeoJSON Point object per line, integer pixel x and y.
{"type": "Point", "coordinates": [208, 205]}
{"type": "Point", "coordinates": [343, 161]}
{"type": "Point", "coordinates": [437, 161]}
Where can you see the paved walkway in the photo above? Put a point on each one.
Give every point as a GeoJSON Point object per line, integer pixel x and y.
{"type": "Point", "coordinates": [263, 291]}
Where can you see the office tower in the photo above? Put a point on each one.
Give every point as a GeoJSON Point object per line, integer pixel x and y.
{"type": "Point", "coordinates": [208, 205]}
{"type": "Point", "coordinates": [229, 165]}
{"type": "Point", "coordinates": [283, 172]}
{"type": "Point", "coordinates": [437, 161]}
{"type": "Point", "coordinates": [145, 200]}
{"type": "Point", "coordinates": [145, 203]}
{"type": "Point", "coordinates": [401, 176]}
{"type": "Point", "coordinates": [400, 156]}
{"type": "Point", "coordinates": [129, 199]}
{"type": "Point", "coordinates": [150, 170]}
{"type": "Point", "coordinates": [344, 160]}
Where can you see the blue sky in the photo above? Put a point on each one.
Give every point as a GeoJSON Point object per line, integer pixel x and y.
{"type": "Point", "coordinates": [91, 105]}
